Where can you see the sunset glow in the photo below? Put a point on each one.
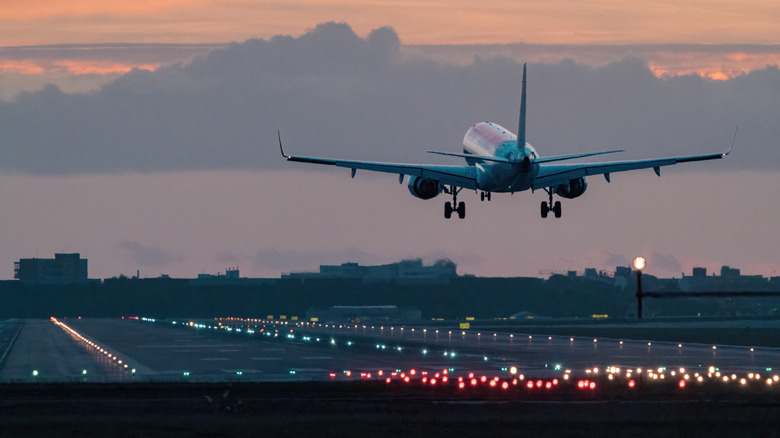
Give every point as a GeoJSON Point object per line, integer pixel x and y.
{"type": "Point", "coordinates": [69, 66]}
{"type": "Point", "coordinates": [418, 21]}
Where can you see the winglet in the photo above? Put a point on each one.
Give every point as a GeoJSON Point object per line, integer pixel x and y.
{"type": "Point", "coordinates": [279, 133]}
{"type": "Point", "coordinates": [732, 142]}
{"type": "Point", "coordinates": [521, 122]}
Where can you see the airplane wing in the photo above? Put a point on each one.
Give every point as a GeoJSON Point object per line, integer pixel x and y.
{"type": "Point", "coordinates": [551, 175]}
{"type": "Point", "coordinates": [461, 176]}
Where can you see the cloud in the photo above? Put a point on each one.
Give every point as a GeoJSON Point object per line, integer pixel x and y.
{"type": "Point", "coordinates": [333, 93]}
{"type": "Point", "coordinates": [148, 256]}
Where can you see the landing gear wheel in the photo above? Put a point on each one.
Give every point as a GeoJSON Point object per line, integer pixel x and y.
{"type": "Point", "coordinates": [484, 195]}
{"type": "Point", "coordinates": [557, 209]}
{"type": "Point", "coordinates": [545, 209]}
{"type": "Point", "coordinates": [460, 208]}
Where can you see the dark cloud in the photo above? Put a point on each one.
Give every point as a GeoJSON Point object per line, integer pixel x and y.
{"type": "Point", "coordinates": [148, 256]}
{"type": "Point", "coordinates": [333, 93]}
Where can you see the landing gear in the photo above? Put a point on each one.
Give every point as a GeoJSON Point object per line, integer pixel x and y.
{"type": "Point", "coordinates": [550, 206]}
{"type": "Point", "coordinates": [484, 195]}
{"type": "Point", "coordinates": [455, 206]}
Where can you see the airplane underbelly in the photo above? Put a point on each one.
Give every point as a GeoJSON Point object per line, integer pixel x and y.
{"type": "Point", "coordinates": [502, 178]}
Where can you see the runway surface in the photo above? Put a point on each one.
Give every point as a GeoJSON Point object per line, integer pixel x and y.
{"type": "Point", "coordinates": [108, 350]}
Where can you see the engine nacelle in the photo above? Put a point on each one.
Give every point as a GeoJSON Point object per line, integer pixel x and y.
{"type": "Point", "coordinates": [573, 189]}
{"type": "Point", "coordinates": [424, 188]}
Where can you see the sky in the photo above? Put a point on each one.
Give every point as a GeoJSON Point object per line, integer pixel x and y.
{"type": "Point", "coordinates": [153, 146]}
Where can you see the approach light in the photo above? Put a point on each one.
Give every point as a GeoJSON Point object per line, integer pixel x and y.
{"type": "Point", "coordinates": [640, 263]}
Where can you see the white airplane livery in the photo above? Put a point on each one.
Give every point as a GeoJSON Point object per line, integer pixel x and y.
{"type": "Point", "coordinates": [498, 161]}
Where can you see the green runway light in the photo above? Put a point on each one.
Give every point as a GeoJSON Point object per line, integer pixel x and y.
{"type": "Point", "coordinates": [84, 372]}
{"type": "Point", "coordinates": [35, 373]}
{"type": "Point", "coordinates": [186, 374]}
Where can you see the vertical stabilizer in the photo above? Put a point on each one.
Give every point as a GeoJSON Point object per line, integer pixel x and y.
{"type": "Point", "coordinates": [521, 124]}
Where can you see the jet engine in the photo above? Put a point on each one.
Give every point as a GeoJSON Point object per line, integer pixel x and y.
{"type": "Point", "coordinates": [573, 189]}
{"type": "Point", "coordinates": [424, 188]}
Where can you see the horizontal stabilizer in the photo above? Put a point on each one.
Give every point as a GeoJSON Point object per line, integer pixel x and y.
{"type": "Point", "coordinates": [573, 156]}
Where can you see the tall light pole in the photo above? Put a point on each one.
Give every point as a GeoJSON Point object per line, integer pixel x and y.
{"type": "Point", "coordinates": [639, 264]}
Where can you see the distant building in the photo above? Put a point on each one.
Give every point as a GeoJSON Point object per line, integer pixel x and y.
{"type": "Point", "coordinates": [730, 280]}
{"type": "Point", "coordinates": [231, 277]}
{"type": "Point", "coordinates": [404, 272]}
{"type": "Point", "coordinates": [63, 268]}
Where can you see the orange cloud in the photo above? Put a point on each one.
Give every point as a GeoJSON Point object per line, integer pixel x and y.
{"type": "Point", "coordinates": [69, 66]}
{"type": "Point", "coordinates": [24, 66]}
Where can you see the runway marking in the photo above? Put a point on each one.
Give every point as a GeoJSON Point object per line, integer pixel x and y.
{"type": "Point", "coordinates": [273, 349]}
{"type": "Point", "coordinates": [266, 358]}
{"type": "Point", "coordinates": [214, 358]}
{"type": "Point", "coordinates": [229, 350]}
{"type": "Point", "coordinates": [317, 358]}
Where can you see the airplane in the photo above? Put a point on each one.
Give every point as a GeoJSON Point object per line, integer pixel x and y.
{"type": "Point", "coordinates": [499, 161]}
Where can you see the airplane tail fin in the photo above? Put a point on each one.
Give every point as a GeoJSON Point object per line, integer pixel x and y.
{"type": "Point", "coordinates": [521, 123]}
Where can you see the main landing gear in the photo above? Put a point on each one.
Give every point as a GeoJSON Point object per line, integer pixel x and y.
{"type": "Point", "coordinates": [549, 206]}
{"type": "Point", "coordinates": [460, 208]}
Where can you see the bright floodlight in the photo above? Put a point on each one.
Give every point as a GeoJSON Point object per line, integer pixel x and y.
{"type": "Point", "coordinates": [640, 263]}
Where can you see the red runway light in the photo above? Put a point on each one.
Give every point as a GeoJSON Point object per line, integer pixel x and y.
{"type": "Point", "coordinates": [505, 385]}
{"type": "Point", "coordinates": [424, 379]}
{"type": "Point", "coordinates": [539, 383]}
{"type": "Point", "coordinates": [548, 385]}
{"type": "Point", "coordinates": [483, 379]}
{"type": "Point", "coordinates": [412, 372]}
{"type": "Point", "coordinates": [473, 382]}
{"type": "Point", "coordinates": [530, 385]}
{"type": "Point", "coordinates": [631, 383]}
{"type": "Point", "coordinates": [592, 385]}
{"type": "Point", "coordinates": [444, 379]}
{"type": "Point", "coordinates": [433, 382]}
{"type": "Point", "coordinates": [681, 384]}
{"type": "Point", "coordinates": [406, 379]}
{"type": "Point", "coordinates": [387, 380]}
{"type": "Point", "coordinates": [332, 375]}
{"type": "Point", "coordinates": [492, 383]}
{"type": "Point", "coordinates": [461, 385]}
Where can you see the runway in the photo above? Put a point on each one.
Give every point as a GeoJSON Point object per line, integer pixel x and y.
{"type": "Point", "coordinates": [119, 350]}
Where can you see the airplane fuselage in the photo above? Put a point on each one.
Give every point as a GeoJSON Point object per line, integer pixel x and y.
{"type": "Point", "coordinates": [490, 139]}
